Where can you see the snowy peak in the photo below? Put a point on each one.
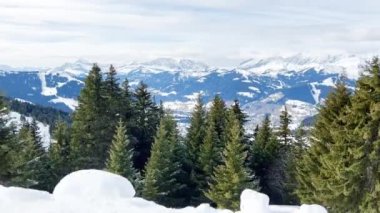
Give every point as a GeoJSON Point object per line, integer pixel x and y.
{"type": "Point", "coordinates": [347, 64]}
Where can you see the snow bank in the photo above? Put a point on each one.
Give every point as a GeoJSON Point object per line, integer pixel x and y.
{"type": "Point", "coordinates": [93, 185]}
{"type": "Point", "coordinates": [99, 191]}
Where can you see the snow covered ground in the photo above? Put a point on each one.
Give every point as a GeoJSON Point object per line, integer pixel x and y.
{"type": "Point", "coordinates": [102, 192]}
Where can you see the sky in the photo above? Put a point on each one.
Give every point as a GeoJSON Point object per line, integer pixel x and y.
{"type": "Point", "coordinates": [218, 32]}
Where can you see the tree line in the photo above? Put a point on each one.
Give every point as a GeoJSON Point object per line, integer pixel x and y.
{"type": "Point", "coordinates": [123, 130]}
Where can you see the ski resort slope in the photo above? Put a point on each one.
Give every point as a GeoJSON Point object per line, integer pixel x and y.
{"type": "Point", "coordinates": [99, 192]}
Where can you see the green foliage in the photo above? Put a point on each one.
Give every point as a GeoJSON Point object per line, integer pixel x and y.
{"type": "Point", "coordinates": [232, 177]}
{"type": "Point", "coordinates": [161, 176]}
{"type": "Point", "coordinates": [59, 153]}
{"type": "Point", "coordinates": [47, 115]}
{"type": "Point", "coordinates": [264, 151]}
{"type": "Point", "coordinates": [194, 140]}
{"type": "Point", "coordinates": [90, 136]}
{"type": "Point", "coordinates": [120, 155]}
{"type": "Point", "coordinates": [7, 144]}
{"type": "Point", "coordinates": [146, 121]}
{"type": "Point", "coordinates": [321, 173]}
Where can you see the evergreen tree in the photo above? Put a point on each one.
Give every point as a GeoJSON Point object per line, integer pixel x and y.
{"type": "Point", "coordinates": [321, 172]}
{"type": "Point", "coordinates": [59, 153]}
{"type": "Point", "coordinates": [31, 164]}
{"type": "Point", "coordinates": [6, 145]}
{"type": "Point", "coordinates": [89, 143]}
{"type": "Point", "coordinates": [112, 94]}
{"type": "Point", "coordinates": [241, 116]}
{"type": "Point", "coordinates": [284, 131]}
{"type": "Point", "coordinates": [218, 115]}
{"type": "Point", "coordinates": [147, 119]}
{"type": "Point", "coordinates": [194, 140]}
{"type": "Point", "coordinates": [209, 156]}
{"type": "Point", "coordinates": [161, 177]}
{"type": "Point", "coordinates": [232, 177]}
{"type": "Point", "coordinates": [264, 151]}
{"type": "Point", "coordinates": [364, 125]}
{"type": "Point", "coordinates": [120, 155]}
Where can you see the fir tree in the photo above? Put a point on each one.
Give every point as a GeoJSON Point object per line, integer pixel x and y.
{"type": "Point", "coordinates": [147, 119]}
{"type": "Point", "coordinates": [209, 156]}
{"type": "Point", "coordinates": [264, 151]}
{"type": "Point", "coordinates": [161, 177]}
{"type": "Point", "coordinates": [120, 155]}
{"type": "Point", "coordinates": [321, 172]}
{"type": "Point", "coordinates": [89, 143]}
{"type": "Point", "coordinates": [32, 163]}
{"type": "Point", "coordinates": [59, 153]}
{"type": "Point", "coordinates": [241, 116]}
{"type": "Point", "coordinates": [6, 145]}
{"type": "Point", "coordinates": [194, 140]}
{"type": "Point", "coordinates": [364, 122]}
{"type": "Point", "coordinates": [284, 131]}
{"type": "Point", "coordinates": [231, 178]}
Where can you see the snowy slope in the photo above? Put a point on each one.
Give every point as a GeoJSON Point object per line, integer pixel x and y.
{"type": "Point", "coordinates": [99, 191]}
{"type": "Point", "coordinates": [14, 118]}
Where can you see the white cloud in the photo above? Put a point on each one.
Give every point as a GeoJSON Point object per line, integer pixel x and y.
{"type": "Point", "coordinates": [220, 32]}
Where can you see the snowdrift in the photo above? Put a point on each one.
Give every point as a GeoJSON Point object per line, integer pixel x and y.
{"type": "Point", "coordinates": [101, 192]}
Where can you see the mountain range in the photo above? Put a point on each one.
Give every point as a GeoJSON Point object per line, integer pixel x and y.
{"type": "Point", "coordinates": [262, 85]}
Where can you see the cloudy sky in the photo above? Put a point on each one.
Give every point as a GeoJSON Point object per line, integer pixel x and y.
{"type": "Point", "coordinates": [218, 32]}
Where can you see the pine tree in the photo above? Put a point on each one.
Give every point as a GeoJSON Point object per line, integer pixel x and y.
{"type": "Point", "coordinates": [112, 94]}
{"type": "Point", "coordinates": [161, 177]}
{"type": "Point", "coordinates": [321, 171]}
{"type": "Point", "coordinates": [32, 163]}
{"type": "Point", "coordinates": [264, 151]}
{"type": "Point", "coordinates": [284, 131]}
{"type": "Point", "coordinates": [241, 116]}
{"type": "Point", "coordinates": [147, 120]}
{"type": "Point", "coordinates": [218, 115]}
{"type": "Point", "coordinates": [7, 143]}
{"type": "Point", "coordinates": [364, 123]}
{"type": "Point", "coordinates": [231, 178]}
{"type": "Point", "coordinates": [120, 155]}
{"type": "Point", "coordinates": [194, 140]}
{"type": "Point", "coordinates": [209, 156]}
{"type": "Point", "coordinates": [59, 153]}
{"type": "Point", "coordinates": [89, 143]}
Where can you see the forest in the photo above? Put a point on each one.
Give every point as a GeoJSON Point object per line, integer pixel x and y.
{"type": "Point", "coordinates": [334, 163]}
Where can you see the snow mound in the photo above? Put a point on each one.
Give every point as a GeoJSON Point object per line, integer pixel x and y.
{"type": "Point", "coordinates": [252, 201]}
{"type": "Point", "coordinates": [99, 191]}
{"type": "Point", "coordinates": [93, 185]}
{"type": "Point", "coordinates": [312, 209]}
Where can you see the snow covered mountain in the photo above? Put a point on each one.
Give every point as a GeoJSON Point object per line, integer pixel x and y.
{"type": "Point", "coordinates": [262, 85]}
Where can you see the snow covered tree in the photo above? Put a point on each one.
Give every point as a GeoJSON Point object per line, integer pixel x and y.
{"type": "Point", "coordinates": [120, 155]}
{"type": "Point", "coordinates": [232, 177]}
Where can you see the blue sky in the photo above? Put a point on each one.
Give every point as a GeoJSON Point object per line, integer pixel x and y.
{"type": "Point", "coordinates": [218, 32]}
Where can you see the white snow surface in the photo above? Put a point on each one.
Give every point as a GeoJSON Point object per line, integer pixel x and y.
{"type": "Point", "coordinates": [98, 191]}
